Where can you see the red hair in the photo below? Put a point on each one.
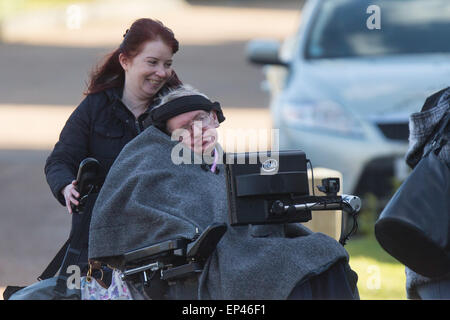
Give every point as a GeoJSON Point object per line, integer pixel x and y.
{"type": "Point", "coordinates": [110, 73]}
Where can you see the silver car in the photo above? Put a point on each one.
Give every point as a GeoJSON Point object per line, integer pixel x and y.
{"type": "Point", "coordinates": [342, 88]}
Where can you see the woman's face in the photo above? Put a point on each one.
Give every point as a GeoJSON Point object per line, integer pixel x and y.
{"type": "Point", "coordinates": [196, 129]}
{"type": "Point", "coordinates": [146, 73]}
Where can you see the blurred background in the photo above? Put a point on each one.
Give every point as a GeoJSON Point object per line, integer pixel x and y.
{"type": "Point", "coordinates": [48, 47]}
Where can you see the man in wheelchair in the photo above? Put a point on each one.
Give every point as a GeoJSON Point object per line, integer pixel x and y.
{"type": "Point", "coordinates": [164, 222]}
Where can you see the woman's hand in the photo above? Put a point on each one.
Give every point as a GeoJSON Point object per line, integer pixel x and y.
{"type": "Point", "coordinates": [71, 195]}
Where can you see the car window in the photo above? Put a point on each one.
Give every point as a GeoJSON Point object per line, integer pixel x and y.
{"type": "Point", "coordinates": [340, 28]}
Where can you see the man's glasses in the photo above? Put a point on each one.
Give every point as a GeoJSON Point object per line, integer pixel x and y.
{"type": "Point", "coordinates": [201, 121]}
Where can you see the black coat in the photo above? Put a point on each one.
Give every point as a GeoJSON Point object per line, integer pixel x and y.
{"type": "Point", "coordinates": [99, 128]}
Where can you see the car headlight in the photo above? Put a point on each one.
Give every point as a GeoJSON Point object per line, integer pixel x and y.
{"type": "Point", "coordinates": [325, 115]}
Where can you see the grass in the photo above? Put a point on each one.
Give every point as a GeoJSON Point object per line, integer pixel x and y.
{"type": "Point", "coordinates": [381, 277]}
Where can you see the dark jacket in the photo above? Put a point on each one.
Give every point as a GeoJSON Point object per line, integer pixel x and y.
{"type": "Point", "coordinates": [99, 127]}
{"type": "Point", "coordinates": [423, 127]}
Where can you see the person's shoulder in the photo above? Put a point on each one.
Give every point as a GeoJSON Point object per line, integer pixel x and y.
{"type": "Point", "coordinates": [96, 102]}
{"type": "Point", "coordinates": [150, 138]}
{"type": "Point", "coordinates": [434, 98]}
{"type": "Point", "coordinates": [99, 99]}
{"type": "Point", "coordinates": [150, 147]}
{"type": "Point", "coordinates": [445, 96]}
{"type": "Point", "coordinates": [439, 94]}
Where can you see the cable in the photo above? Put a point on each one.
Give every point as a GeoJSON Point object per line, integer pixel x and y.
{"type": "Point", "coordinates": [353, 215]}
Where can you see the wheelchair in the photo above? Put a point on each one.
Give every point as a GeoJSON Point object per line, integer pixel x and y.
{"type": "Point", "coordinates": [170, 270]}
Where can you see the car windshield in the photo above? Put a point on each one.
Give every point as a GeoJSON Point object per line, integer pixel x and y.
{"type": "Point", "coordinates": [349, 28]}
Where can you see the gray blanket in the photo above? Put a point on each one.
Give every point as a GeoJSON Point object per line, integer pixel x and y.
{"type": "Point", "coordinates": [146, 199]}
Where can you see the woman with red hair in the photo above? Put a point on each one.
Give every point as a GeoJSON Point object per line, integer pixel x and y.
{"type": "Point", "coordinates": [121, 92]}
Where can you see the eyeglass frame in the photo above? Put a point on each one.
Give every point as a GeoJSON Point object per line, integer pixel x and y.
{"type": "Point", "coordinates": [207, 115]}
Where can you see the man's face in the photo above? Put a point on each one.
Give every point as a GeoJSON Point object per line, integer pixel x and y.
{"type": "Point", "coordinates": [196, 129]}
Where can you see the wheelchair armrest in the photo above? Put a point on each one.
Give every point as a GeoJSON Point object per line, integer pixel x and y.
{"type": "Point", "coordinates": [198, 249]}
{"type": "Point", "coordinates": [175, 247]}
{"type": "Point", "coordinates": [204, 245]}
{"type": "Point", "coordinates": [183, 271]}
{"type": "Point", "coordinates": [176, 258]}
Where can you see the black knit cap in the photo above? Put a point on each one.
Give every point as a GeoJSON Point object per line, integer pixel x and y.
{"type": "Point", "coordinates": [180, 105]}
